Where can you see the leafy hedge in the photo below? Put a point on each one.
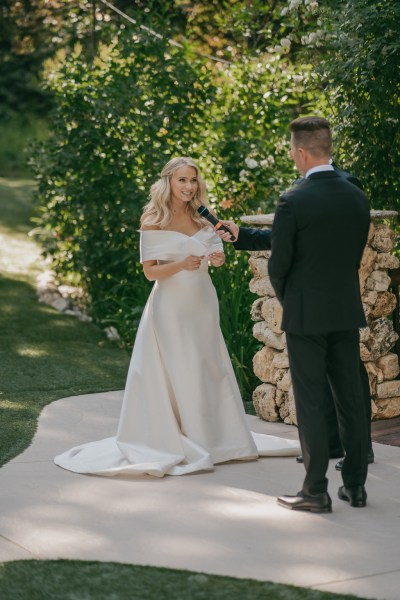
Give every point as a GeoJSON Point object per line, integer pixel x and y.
{"type": "Point", "coordinates": [363, 71]}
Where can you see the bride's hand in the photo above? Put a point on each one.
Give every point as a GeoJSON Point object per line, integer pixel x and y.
{"type": "Point", "coordinates": [217, 259]}
{"type": "Point", "coordinates": [192, 263]}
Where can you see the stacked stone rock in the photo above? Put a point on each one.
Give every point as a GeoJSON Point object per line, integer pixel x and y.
{"type": "Point", "coordinates": [273, 399]}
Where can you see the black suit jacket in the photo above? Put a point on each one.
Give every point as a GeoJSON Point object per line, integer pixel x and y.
{"type": "Point", "coordinates": [352, 178]}
{"type": "Point", "coordinates": [260, 239]}
{"type": "Point", "coordinates": [318, 237]}
{"type": "Point", "coordinates": [253, 239]}
{"type": "Point", "coordinates": [345, 174]}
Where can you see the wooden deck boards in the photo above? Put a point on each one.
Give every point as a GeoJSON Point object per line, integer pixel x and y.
{"type": "Point", "coordinates": [386, 431]}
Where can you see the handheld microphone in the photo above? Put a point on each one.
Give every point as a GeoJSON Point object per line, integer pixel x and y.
{"type": "Point", "coordinates": [204, 212]}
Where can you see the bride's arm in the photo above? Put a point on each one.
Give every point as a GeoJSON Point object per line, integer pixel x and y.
{"type": "Point", "coordinates": [153, 271]}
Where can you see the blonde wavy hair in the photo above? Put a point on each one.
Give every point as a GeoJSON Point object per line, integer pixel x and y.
{"type": "Point", "coordinates": [157, 212]}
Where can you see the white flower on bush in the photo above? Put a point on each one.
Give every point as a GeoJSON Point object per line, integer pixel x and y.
{"type": "Point", "coordinates": [250, 163]}
{"type": "Point", "coordinates": [285, 43]}
{"type": "Point", "coordinates": [278, 49]}
{"type": "Point", "coordinates": [281, 146]}
{"type": "Point", "coordinates": [267, 162]}
{"type": "Point", "coordinates": [310, 39]}
{"type": "Point", "coordinates": [294, 4]}
{"type": "Point", "coordinates": [243, 175]}
{"type": "Point", "coordinates": [112, 333]}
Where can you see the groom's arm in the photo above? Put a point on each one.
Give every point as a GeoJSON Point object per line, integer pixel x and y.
{"type": "Point", "coordinates": [253, 239]}
{"type": "Point", "coordinates": [282, 245]}
{"type": "Point", "coordinates": [245, 237]}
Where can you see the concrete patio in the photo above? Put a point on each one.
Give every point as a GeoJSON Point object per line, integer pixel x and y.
{"type": "Point", "coordinates": [224, 522]}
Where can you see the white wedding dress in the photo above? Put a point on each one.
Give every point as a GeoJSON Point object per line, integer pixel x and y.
{"type": "Point", "coordinates": [182, 410]}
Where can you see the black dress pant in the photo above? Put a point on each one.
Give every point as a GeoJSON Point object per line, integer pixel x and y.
{"type": "Point", "coordinates": [335, 444]}
{"type": "Point", "coordinates": [313, 359]}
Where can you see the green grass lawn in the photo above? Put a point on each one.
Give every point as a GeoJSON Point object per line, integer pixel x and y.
{"type": "Point", "coordinates": [80, 580]}
{"type": "Point", "coordinates": [44, 356]}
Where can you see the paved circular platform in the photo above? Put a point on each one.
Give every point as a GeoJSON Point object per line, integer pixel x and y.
{"type": "Point", "coordinates": [223, 522]}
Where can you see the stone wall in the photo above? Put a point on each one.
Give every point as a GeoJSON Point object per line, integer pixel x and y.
{"type": "Point", "coordinates": [273, 399]}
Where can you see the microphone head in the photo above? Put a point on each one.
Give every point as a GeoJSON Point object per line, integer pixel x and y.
{"type": "Point", "coordinates": [203, 211]}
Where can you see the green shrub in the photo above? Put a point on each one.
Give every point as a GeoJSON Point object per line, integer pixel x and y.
{"type": "Point", "coordinates": [261, 96]}
{"type": "Point", "coordinates": [362, 71]}
{"type": "Point", "coordinates": [235, 300]}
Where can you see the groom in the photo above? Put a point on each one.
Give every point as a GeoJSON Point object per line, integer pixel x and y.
{"type": "Point", "coordinates": [316, 280]}
{"type": "Point", "coordinates": [335, 446]}
{"type": "Point", "coordinates": [257, 239]}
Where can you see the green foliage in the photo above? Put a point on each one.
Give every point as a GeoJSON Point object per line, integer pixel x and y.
{"type": "Point", "coordinates": [236, 28]}
{"type": "Point", "coordinates": [34, 32]}
{"type": "Point", "coordinates": [235, 300]}
{"type": "Point", "coordinates": [261, 97]}
{"type": "Point", "coordinates": [354, 48]}
{"type": "Point", "coordinates": [31, 33]}
{"type": "Point", "coordinates": [362, 71]}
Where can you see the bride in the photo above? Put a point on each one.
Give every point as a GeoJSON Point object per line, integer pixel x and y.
{"type": "Point", "coordinates": [182, 411]}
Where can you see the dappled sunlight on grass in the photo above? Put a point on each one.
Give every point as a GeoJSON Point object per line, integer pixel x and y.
{"type": "Point", "coordinates": [18, 255]}
{"type": "Point", "coordinates": [30, 352]}
{"type": "Point", "coordinates": [16, 205]}
{"type": "Point", "coordinates": [46, 350]}
{"type": "Point", "coordinates": [10, 405]}
{"type": "Point", "coordinates": [17, 184]}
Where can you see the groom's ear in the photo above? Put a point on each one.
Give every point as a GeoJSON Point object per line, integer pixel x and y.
{"type": "Point", "coordinates": [302, 158]}
{"type": "Point", "coordinates": [302, 152]}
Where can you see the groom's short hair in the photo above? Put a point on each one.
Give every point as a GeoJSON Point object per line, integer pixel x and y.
{"type": "Point", "coordinates": [313, 134]}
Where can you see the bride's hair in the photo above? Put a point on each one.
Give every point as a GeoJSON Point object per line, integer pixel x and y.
{"type": "Point", "coordinates": [158, 210]}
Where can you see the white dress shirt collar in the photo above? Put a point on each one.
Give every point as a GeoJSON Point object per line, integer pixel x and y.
{"type": "Point", "coordinates": [318, 169]}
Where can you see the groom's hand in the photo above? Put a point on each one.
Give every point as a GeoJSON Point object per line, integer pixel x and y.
{"type": "Point", "coordinates": [226, 237]}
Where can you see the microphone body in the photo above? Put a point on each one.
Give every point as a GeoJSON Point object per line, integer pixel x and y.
{"type": "Point", "coordinates": [204, 212]}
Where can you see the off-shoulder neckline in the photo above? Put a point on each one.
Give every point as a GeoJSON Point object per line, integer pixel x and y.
{"type": "Point", "coordinates": [171, 231]}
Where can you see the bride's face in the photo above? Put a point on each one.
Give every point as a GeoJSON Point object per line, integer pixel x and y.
{"type": "Point", "coordinates": [184, 184]}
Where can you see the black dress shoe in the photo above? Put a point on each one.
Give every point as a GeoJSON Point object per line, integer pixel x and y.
{"type": "Point", "coordinates": [316, 503]}
{"type": "Point", "coordinates": [339, 464]}
{"type": "Point", "coordinates": [356, 496]}
{"type": "Point", "coordinates": [371, 459]}
{"type": "Point", "coordinates": [299, 459]}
